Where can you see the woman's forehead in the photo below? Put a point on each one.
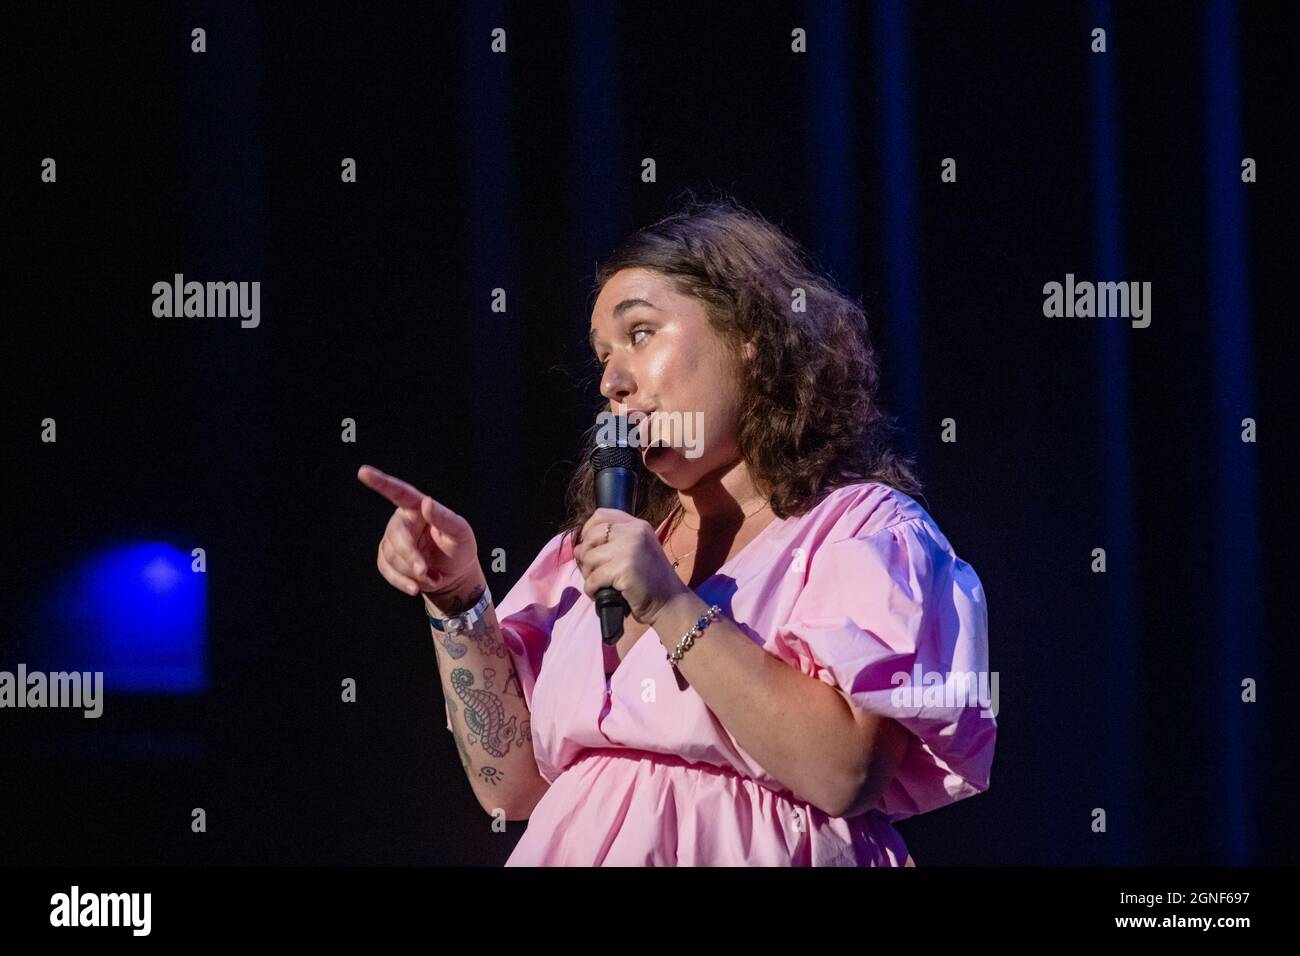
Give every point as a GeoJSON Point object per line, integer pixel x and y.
{"type": "Point", "coordinates": [633, 283]}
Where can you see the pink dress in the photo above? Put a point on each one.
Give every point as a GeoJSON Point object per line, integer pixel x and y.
{"type": "Point", "coordinates": [861, 590]}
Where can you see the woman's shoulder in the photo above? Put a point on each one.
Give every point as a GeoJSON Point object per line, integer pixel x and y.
{"type": "Point", "coordinates": [863, 509]}
{"type": "Point", "coordinates": [870, 510]}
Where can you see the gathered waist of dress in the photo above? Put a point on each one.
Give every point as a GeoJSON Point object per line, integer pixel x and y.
{"type": "Point", "coordinates": [673, 760]}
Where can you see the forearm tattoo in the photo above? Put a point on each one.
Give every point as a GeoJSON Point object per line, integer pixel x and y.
{"type": "Point", "coordinates": [480, 702]}
{"type": "Point", "coordinates": [455, 735]}
{"type": "Point", "coordinates": [485, 717]}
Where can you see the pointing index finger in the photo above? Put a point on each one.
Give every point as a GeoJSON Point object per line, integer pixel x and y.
{"type": "Point", "coordinates": [394, 489]}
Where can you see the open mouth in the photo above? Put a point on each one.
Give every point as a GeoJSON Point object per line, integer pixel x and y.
{"type": "Point", "coordinates": [653, 453]}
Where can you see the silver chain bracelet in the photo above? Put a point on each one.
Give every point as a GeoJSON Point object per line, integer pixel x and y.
{"type": "Point", "coordinates": [684, 645]}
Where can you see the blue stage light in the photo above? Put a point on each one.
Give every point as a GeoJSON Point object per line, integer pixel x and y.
{"type": "Point", "coordinates": [139, 614]}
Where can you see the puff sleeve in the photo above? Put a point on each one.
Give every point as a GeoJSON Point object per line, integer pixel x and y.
{"type": "Point", "coordinates": [527, 613]}
{"type": "Point", "coordinates": [899, 624]}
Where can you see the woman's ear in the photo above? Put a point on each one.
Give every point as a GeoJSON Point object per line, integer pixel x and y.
{"type": "Point", "coordinates": [750, 350]}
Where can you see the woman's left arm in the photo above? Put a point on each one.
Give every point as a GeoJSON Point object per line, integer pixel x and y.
{"type": "Point", "coordinates": [800, 729]}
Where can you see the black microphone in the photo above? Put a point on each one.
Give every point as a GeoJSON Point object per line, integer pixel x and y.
{"type": "Point", "coordinates": [617, 467]}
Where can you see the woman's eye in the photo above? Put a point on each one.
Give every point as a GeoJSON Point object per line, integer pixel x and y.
{"type": "Point", "coordinates": [602, 362]}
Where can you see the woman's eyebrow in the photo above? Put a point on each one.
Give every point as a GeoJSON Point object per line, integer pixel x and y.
{"type": "Point", "coordinates": [618, 314]}
{"type": "Point", "coordinates": [631, 304]}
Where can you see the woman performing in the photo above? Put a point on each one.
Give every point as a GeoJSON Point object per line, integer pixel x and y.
{"type": "Point", "coordinates": [788, 597]}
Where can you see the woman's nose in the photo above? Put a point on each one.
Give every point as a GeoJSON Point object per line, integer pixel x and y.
{"type": "Point", "coordinates": [615, 385]}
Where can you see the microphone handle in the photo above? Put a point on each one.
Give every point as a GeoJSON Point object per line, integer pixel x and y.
{"type": "Point", "coordinates": [611, 608]}
{"type": "Point", "coordinates": [615, 488]}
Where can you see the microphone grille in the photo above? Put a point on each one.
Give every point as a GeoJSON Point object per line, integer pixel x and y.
{"type": "Point", "coordinates": [615, 456]}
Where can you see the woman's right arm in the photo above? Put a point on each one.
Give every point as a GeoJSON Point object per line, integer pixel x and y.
{"type": "Point", "coordinates": [485, 703]}
{"type": "Point", "coordinates": [429, 549]}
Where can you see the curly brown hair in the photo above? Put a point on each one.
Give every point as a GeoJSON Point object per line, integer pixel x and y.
{"type": "Point", "coordinates": [810, 421]}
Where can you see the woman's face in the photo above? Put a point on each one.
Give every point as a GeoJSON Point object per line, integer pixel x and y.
{"type": "Point", "coordinates": [661, 355]}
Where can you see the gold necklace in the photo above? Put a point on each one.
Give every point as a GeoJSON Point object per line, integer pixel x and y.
{"type": "Point", "coordinates": [677, 560]}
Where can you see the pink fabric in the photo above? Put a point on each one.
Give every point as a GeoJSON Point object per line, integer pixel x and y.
{"type": "Point", "coordinates": [860, 588]}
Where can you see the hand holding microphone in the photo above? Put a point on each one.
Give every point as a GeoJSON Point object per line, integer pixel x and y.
{"type": "Point", "coordinates": [621, 559]}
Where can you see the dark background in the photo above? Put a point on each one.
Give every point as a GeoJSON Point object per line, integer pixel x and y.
{"type": "Point", "coordinates": [477, 170]}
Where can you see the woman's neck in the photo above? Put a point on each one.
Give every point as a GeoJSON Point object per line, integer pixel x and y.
{"type": "Point", "coordinates": [724, 498]}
